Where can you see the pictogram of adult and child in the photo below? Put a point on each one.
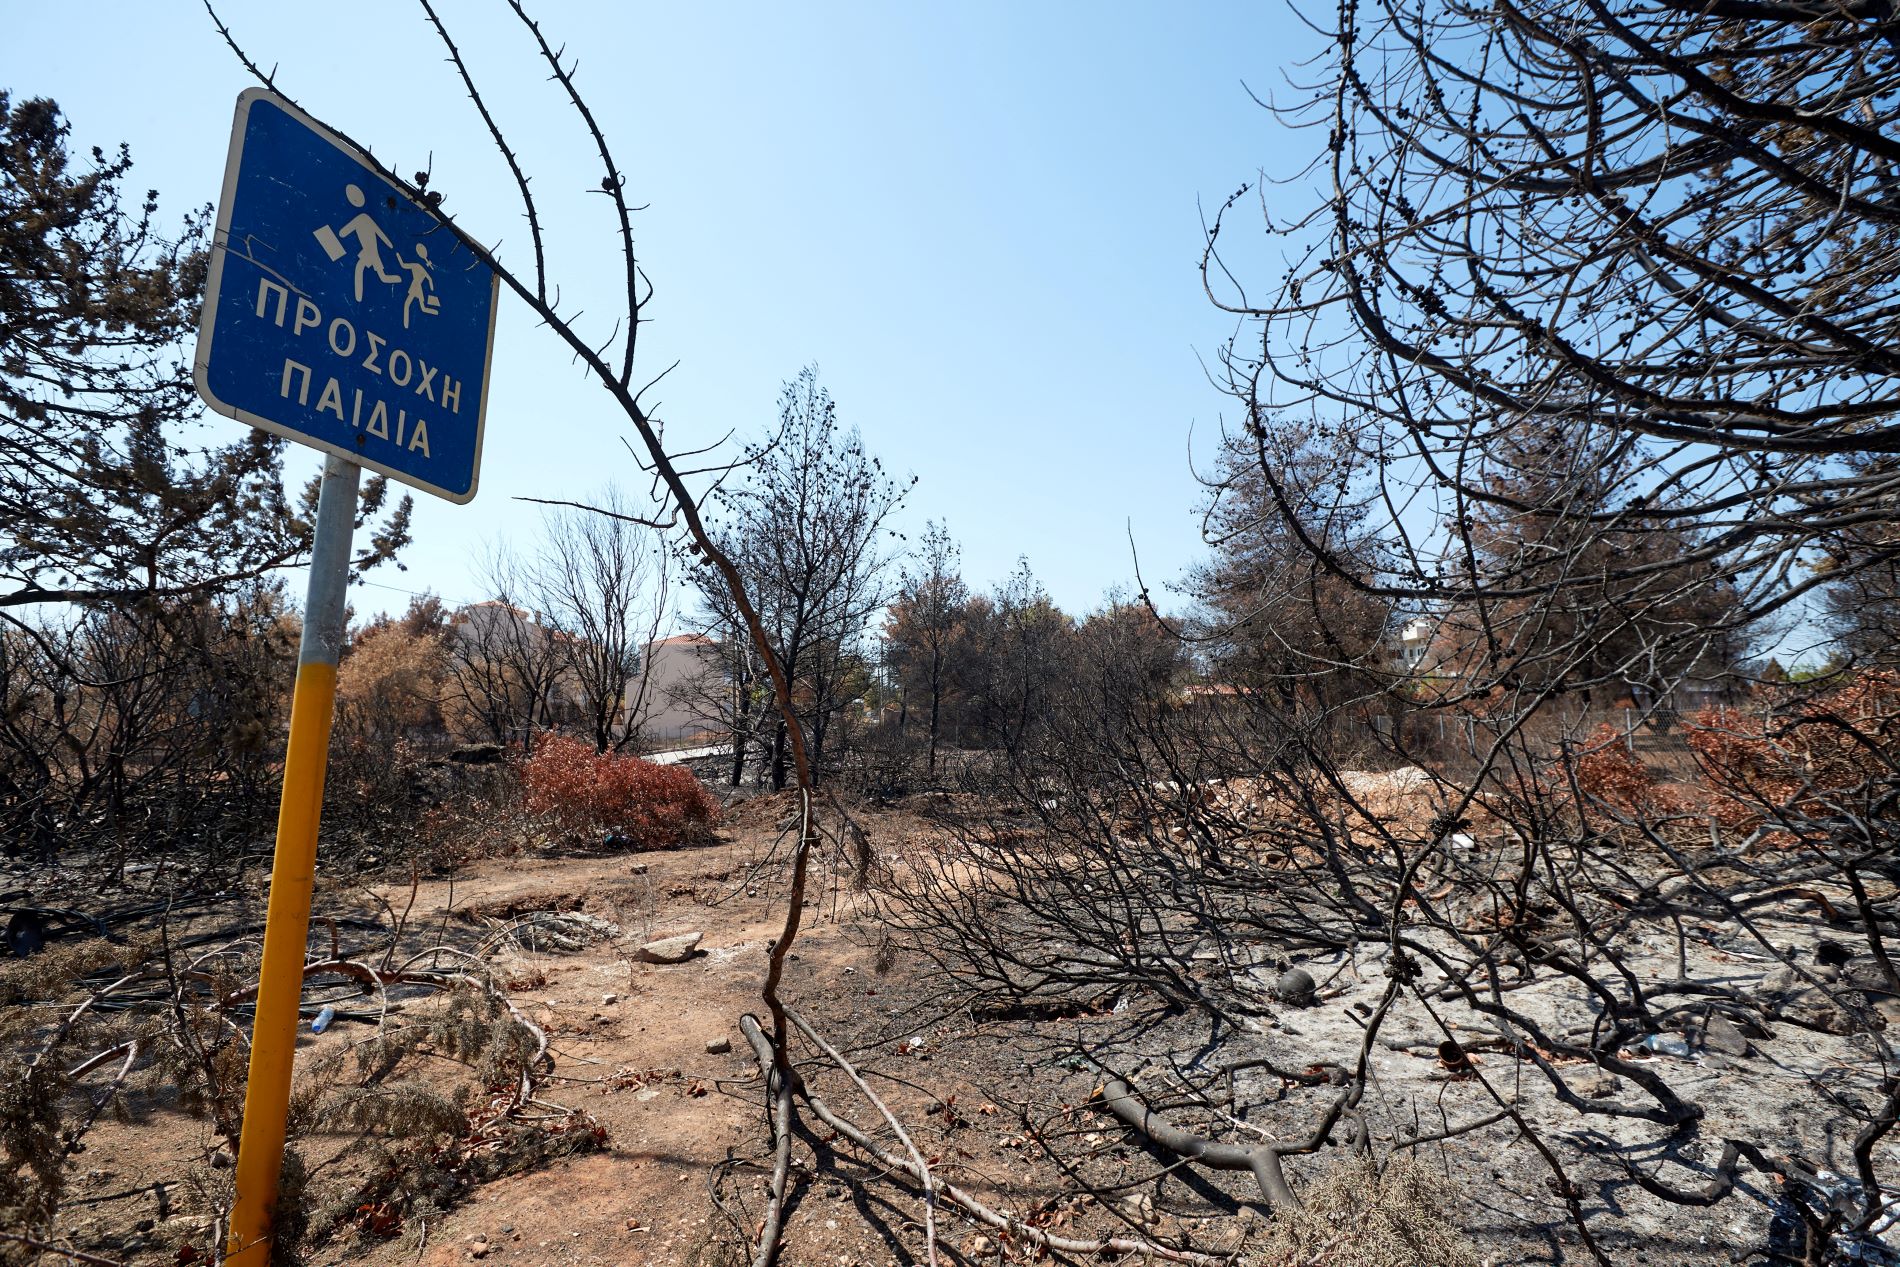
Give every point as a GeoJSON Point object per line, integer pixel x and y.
{"type": "Point", "coordinates": [370, 239]}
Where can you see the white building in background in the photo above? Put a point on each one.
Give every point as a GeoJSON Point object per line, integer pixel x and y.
{"type": "Point", "coordinates": [675, 697]}
{"type": "Point", "coordinates": [1415, 642]}
{"type": "Point", "coordinates": [671, 699]}
{"type": "Point", "coordinates": [518, 638]}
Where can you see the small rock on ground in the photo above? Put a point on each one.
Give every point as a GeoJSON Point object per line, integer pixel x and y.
{"type": "Point", "coordinates": [669, 949]}
{"type": "Point", "coordinates": [1721, 1034]}
{"type": "Point", "coordinates": [1295, 986]}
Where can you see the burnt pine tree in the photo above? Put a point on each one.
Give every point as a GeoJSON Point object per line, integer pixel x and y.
{"type": "Point", "coordinates": [1274, 615]}
{"type": "Point", "coordinates": [1014, 662]}
{"type": "Point", "coordinates": [1568, 602]}
{"type": "Point", "coordinates": [1654, 230]}
{"type": "Point", "coordinates": [920, 634]}
{"type": "Point", "coordinates": [108, 493]}
{"type": "Point", "coordinates": [806, 529]}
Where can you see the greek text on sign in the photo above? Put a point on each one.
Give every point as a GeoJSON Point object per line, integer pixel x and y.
{"type": "Point", "coordinates": [339, 312]}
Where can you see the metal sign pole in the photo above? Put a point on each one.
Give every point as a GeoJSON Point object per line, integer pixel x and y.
{"type": "Point", "coordinates": [293, 872]}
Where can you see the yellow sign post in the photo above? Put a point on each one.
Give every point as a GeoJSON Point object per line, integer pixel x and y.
{"type": "Point", "coordinates": [293, 873]}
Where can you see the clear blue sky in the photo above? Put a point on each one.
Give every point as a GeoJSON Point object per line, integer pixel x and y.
{"type": "Point", "coordinates": [980, 220]}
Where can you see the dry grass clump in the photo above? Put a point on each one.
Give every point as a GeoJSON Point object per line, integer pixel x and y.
{"type": "Point", "coordinates": [1358, 1215]}
{"type": "Point", "coordinates": [40, 1120]}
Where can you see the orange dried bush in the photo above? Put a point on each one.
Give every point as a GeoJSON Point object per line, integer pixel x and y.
{"type": "Point", "coordinates": [1608, 771]}
{"type": "Point", "coordinates": [1614, 779]}
{"type": "Point", "coordinates": [1797, 762]}
{"type": "Point", "coordinates": [584, 790]}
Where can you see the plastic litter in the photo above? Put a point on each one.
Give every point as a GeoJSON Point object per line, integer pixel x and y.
{"type": "Point", "coordinates": [1665, 1045]}
{"type": "Point", "coordinates": [322, 1020]}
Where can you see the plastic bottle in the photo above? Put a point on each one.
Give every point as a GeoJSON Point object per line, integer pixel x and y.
{"type": "Point", "coordinates": [322, 1021]}
{"type": "Point", "coordinates": [1665, 1044]}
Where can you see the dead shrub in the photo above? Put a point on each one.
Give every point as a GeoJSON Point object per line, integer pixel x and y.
{"type": "Point", "coordinates": [1803, 760]}
{"type": "Point", "coordinates": [1609, 772]}
{"type": "Point", "coordinates": [1360, 1215]}
{"type": "Point", "coordinates": [478, 812]}
{"type": "Point", "coordinates": [588, 791]}
{"type": "Point", "coordinates": [43, 1115]}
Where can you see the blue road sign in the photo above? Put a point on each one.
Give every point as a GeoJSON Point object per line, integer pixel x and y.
{"type": "Point", "coordinates": [340, 313]}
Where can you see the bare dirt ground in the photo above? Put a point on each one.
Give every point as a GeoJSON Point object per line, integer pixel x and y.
{"type": "Point", "coordinates": [631, 1047]}
{"type": "Point", "coordinates": [653, 1053]}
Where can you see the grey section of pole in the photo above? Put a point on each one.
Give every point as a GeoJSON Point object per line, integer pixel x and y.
{"type": "Point", "coordinates": [330, 563]}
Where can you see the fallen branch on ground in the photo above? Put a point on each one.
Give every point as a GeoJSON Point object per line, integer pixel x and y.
{"type": "Point", "coordinates": [762, 1048]}
{"type": "Point", "coordinates": [1262, 1160]}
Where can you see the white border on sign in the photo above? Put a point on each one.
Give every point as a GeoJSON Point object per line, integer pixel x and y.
{"type": "Point", "coordinates": [207, 320]}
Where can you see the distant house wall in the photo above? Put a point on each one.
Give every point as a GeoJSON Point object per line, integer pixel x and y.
{"type": "Point", "coordinates": [667, 703]}
{"type": "Point", "coordinates": [1415, 642]}
{"type": "Point", "coordinates": [481, 622]}
{"type": "Point", "coordinates": [500, 628]}
{"type": "Point", "coordinates": [674, 675]}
